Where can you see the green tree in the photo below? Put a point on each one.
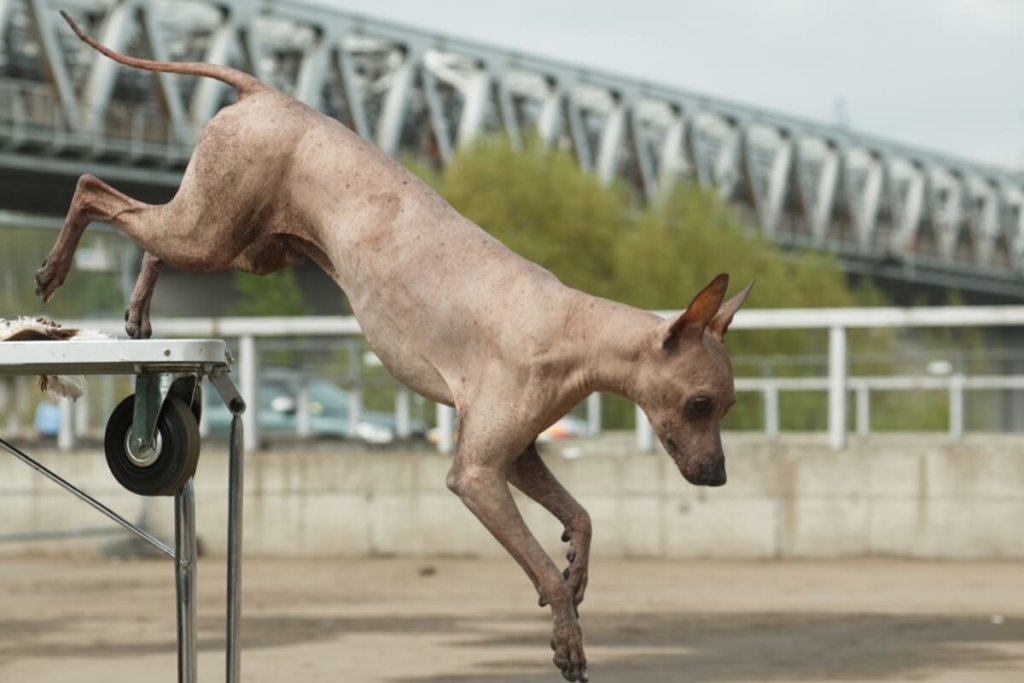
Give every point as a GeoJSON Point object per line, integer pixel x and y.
{"type": "Point", "coordinates": [540, 205]}
{"type": "Point", "coordinates": [593, 237]}
{"type": "Point", "coordinates": [274, 294]}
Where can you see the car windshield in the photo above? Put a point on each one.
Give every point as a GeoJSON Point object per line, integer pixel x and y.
{"type": "Point", "coordinates": [271, 389]}
{"type": "Point", "coordinates": [332, 398]}
{"type": "Point", "coordinates": [325, 397]}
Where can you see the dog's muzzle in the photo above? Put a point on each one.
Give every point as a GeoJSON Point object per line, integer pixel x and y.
{"type": "Point", "coordinates": [710, 473]}
{"type": "Point", "coordinates": [699, 472]}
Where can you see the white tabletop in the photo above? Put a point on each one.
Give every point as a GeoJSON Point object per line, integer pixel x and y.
{"type": "Point", "coordinates": [110, 356]}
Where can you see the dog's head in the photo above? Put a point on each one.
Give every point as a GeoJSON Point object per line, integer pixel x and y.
{"type": "Point", "coordinates": [686, 385]}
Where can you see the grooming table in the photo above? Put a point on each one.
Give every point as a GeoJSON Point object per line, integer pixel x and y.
{"type": "Point", "coordinates": [151, 445]}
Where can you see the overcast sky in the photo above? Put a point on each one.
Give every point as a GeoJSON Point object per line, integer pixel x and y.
{"type": "Point", "coordinates": [944, 74]}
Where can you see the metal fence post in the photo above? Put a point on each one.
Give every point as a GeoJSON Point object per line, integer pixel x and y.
{"type": "Point", "coordinates": [594, 415]}
{"type": "Point", "coordinates": [837, 387]}
{"type": "Point", "coordinates": [956, 406]}
{"type": "Point", "coordinates": [303, 420]}
{"type": "Point", "coordinates": [11, 405]}
{"type": "Point", "coordinates": [355, 392]}
{"type": "Point", "coordinates": [644, 432]}
{"type": "Point", "coordinates": [106, 396]}
{"type": "Point", "coordinates": [21, 396]}
{"type": "Point", "coordinates": [445, 428]}
{"type": "Point", "coordinates": [402, 414]}
{"type": "Point", "coordinates": [81, 410]}
{"type": "Point", "coordinates": [771, 411]}
{"type": "Point", "coordinates": [863, 410]}
{"type": "Point", "coordinates": [248, 373]}
{"type": "Point", "coordinates": [204, 424]}
{"type": "Point", "coordinates": [66, 431]}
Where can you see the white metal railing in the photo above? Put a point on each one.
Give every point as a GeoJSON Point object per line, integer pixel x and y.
{"type": "Point", "coordinates": [955, 384]}
{"type": "Point", "coordinates": [839, 320]}
{"type": "Point", "coordinates": [836, 383]}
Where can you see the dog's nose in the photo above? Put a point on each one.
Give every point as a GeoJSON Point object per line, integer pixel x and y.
{"type": "Point", "coordinates": [713, 473]}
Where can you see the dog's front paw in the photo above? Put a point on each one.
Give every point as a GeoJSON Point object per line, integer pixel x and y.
{"type": "Point", "coordinates": [49, 277]}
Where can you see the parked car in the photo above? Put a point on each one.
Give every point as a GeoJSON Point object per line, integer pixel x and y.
{"type": "Point", "coordinates": [328, 406]}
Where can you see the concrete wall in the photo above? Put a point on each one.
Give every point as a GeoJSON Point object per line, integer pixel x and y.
{"type": "Point", "coordinates": [912, 496]}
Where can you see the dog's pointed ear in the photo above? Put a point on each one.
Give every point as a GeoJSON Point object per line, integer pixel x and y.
{"type": "Point", "coordinates": [697, 315]}
{"type": "Point", "coordinates": [723, 318]}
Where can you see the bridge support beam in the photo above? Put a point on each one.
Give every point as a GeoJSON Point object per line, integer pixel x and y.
{"type": "Point", "coordinates": [945, 210]}
{"type": "Point", "coordinates": [206, 98]}
{"type": "Point", "coordinates": [52, 55]}
{"type": "Point", "coordinates": [392, 118]}
{"type": "Point", "coordinates": [642, 154]}
{"type": "Point", "coordinates": [911, 209]}
{"type": "Point", "coordinates": [673, 153]}
{"type": "Point", "coordinates": [578, 134]}
{"type": "Point", "coordinates": [476, 92]}
{"type": "Point", "coordinates": [727, 162]}
{"type": "Point", "coordinates": [549, 124]}
{"type": "Point", "coordinates": [824, 196]}
{"type": "Point", "coordinates": [984, 220]}
{"type": "Point", "coordinates": [865, 206]}
{"type": "Point", "coordinates": [769, 193]}
{"type": "Point", "coordinates": [353, 106]}
{"type": "Point", "coordinates": [611, 141]}
{"type": "Point", "coordinates": [438, 120]}
{"type": "Point", "coordinates": [103, 71]}
{"type": "Point", "coordinates": [167, 89]}
{"type": "Point", "coordinates": [312, 72]}
{"type": "Point", "coordinates": [507, 111]}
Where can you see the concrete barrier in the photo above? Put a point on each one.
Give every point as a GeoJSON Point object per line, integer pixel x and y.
{"type": "Point", "coordinates": [907, 496]}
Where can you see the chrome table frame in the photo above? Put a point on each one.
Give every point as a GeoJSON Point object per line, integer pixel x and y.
{"type": "Point", "coordinates": [159, 366]}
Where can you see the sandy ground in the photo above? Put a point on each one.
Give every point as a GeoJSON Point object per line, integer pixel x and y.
{"type": "Point", "coordinates": [371, 621]}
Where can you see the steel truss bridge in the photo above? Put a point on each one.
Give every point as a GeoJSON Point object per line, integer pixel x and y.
{"type": "Point", "coordinates": [886, 209]}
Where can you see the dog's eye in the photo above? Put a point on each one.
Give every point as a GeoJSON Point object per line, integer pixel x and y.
{"type": "Point", "coordinates": [700, 405]}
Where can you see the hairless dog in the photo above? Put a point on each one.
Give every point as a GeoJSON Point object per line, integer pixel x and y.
{"type": "Point", "coordinates": [450, 311]}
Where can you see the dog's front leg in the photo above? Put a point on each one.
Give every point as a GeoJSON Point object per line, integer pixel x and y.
{"type": "Point", "coordinates": [530, 475]}
{"type": "Point", "coordinates": [479, 477]}
{"type": "Point", "coordinates": [136, 317]}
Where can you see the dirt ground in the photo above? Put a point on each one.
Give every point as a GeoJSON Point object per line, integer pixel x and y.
{"type": "Point", "coordinates": [419, 621]}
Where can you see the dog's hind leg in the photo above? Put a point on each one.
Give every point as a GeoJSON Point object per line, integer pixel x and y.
{"type": "Point", "coordinates": [530, 475]}
{"type": "Point", "coordinates": [479, 477]}
{"type": "Point", "coordinates": [94, 200]}
{"type": "Point", "coordinates": [266, 255]}
{"type": "Point", "coordinates": [184, 233]}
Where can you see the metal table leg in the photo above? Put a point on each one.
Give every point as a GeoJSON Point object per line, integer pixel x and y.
{"type": "Point", "coordinates": [185, 581]}
{"type": "Point", "coordinates": [234, 588]}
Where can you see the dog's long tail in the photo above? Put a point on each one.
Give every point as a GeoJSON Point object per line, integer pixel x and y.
{"type": "Point", "coordinates": [240, 81]}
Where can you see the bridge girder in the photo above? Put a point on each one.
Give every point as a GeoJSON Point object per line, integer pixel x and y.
{"type": "Point", "coordinates": [868, 199]}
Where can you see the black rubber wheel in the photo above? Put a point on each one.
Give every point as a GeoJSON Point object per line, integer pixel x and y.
{"type": "Point", "coordinates": [177, 452]}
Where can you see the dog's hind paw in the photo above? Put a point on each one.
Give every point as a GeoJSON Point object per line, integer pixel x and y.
{"type": "Point", "coordinates": [567, 642]}
{"type": "Point", "coordinates": [578, 555]}
{"type": "Point", "coordinates": [49, 277]}
{"type": "Point", "coordinates": [137, 325]}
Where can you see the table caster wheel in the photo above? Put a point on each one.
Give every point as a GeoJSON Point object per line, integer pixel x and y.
{"type": "Point", "coordinates": [162, 469]}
